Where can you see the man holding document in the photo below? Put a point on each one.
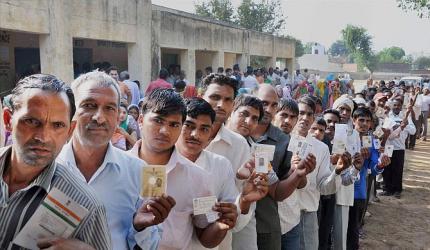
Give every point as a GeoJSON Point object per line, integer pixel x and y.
{"type": "Point", "coordinates": [111, 172]}
{"type": "Point", "coordinates": [42, 205]}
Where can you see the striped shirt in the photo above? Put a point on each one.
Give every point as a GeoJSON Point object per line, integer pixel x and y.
{"type": "Point", "coordinates": [17, 209]}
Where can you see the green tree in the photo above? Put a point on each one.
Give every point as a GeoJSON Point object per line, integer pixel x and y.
{"type": "Point", "coordinates": [264, 16]}
{"type": "Point", "coordinates": [217, 9]}
{"type": "Point", "coordinates": [359, 43]}
{"type": "Point", "coordinates": [391, 55]}
{"type": "Point", "coordinates": [338, 48]}
{"type": "Point", "coordinates": [422, 62]}
{"type": "Point", "coordinates": [421, 7]}
{"type": "Point", "coordinates": [308, 47]}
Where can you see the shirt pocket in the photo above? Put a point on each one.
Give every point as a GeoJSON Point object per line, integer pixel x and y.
{"type": "Point", "coordinates": [177, 230]}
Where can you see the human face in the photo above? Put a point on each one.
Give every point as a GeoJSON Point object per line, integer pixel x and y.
{"type": "Point", "coordinates": [397, 107]}
{"type": "Point", "coordinates": [285, 120]}
{"type": "Point", "coordinates": [362, 124]}
{"type": "Point", "coordinates": [97, 114]}
{"type": "Point", "coordinates": [134, 112]}
{"type": "Point", "coordinates": [317, 131]}
{"type": "Point", "coordinates": [345, 113]}
{"type": "Point", "coordinates": [194, 135]}
{"type": "Point", "coordinates": [269, 98]}
{"type": "Point", "coordinates": [40, 126]}
{"type": "Point", "coordinates": [381, 102]}
{"type": "Point", "coordinates": [122, 114]}
{"type": "Point", "coordinates": [244, 120]}
{"type": "Point", "coordinates": [114, 74]}
{"type": "Point", "coordinates": [305, 119]}
{"type": "Point", "coordinates": [331, 120]}
{"type": "Point", "coordinates": [221, 98]}
{"type": "Point", "coordinates": [159, 132]}
{"type": "Point", "coordinates": [372, 108]}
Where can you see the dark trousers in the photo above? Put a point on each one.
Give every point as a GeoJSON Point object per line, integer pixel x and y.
{"type": "Point", "coordinates": [355, 214]}
{"type": "Point", "coordinates": [371, 181]}
{"type": "Point", "coordinates": [326, 221]}
{"type": "Point", "coordinates": [393, 173]}
{"type": "Point", "coordinates": [412, 139]}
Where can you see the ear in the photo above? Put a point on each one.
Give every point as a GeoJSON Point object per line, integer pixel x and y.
{"type": "Point", "coordinates": [7, 119]}
{"type": "Point", "coordinates": [140, 120]}
{"type": "Point", "coordinates": [72, 129]}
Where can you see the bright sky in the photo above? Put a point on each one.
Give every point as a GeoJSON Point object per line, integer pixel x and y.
{"type": "Point", "coordinates": [322, 20]}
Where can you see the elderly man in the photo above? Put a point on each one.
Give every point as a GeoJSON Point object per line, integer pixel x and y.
{"type": "Point", "coordinates": [40, 120]}
{"type": "Point", "coordinates": [114, 174]}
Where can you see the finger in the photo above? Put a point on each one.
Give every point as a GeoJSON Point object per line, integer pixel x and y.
{"type": "Point", "coordinates": [171, 201]}
{"type": "Point", "coordinates": [163, 202]}
{"type": "Point", "coordinates": [47, 242]}
{"type": "Point", "coordinates": [159, 208]}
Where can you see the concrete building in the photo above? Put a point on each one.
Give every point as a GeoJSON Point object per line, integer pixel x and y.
{"type": "Point", "coordinates": [66, 38]}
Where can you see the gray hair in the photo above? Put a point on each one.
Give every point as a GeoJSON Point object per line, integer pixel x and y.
{"type": "Point", "coordinates": [100, 78]}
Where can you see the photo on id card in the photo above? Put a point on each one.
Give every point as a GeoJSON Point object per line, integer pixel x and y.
{"type": "Point", "coordinates": [153, 181]}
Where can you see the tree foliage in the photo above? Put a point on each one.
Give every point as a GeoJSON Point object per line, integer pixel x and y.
{"type": "Point", "coordinates": [217, 9]}
{"type": "Point", "coordinates": [391, 55]}
{"type": "Point", "coordinates": [359, 43]}
{"type": "Point", "coordinates": [263, 16]}
{"type": "Point", "coordinates": [422, 62]}
{"type": "Point", "coordinates": [421, 7]}
{"type": "Point", "coordinates": [338, 48]}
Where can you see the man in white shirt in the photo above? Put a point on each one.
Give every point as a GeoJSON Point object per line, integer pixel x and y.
{"type": "Point", "coordinates": [114, 175]}
{"type": "Point", "coordinates": [194, 137]}
{"type": "Point", "coordinates": [161, 120]}
{"type": "Point", "coordinates": [250, 82]}
{"type": "Point", "coordinates": [321, 181]}
{"type": "Point", "coordinates": [425, 111]}
{"type": "Point", "coordinates": [401, 126]}
{"type": "Point", "coordinates": [345, 192]}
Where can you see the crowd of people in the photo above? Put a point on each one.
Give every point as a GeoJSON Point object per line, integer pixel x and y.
{"type": "Point", "coordinates": [92, 141]}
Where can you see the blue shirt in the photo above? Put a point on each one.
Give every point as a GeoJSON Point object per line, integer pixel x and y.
{"type": "Point", "coordinates": [135, 92]}
{"type": "Point", "coordinates": [360, 191]}
{"type": "Point", "coordinates": [117, 184]}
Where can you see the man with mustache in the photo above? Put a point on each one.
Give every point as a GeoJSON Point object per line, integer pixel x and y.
{"type": "Point", "coordinates": [40, 115]}
{"type": "Point", "coordinates": [194, 137]}
{"type": "Point", "coordinates": [161, 121]}
{"type": "Point", "coordinates": [111, 172]}
{"type": "Point", "coordinates": [220, 91]}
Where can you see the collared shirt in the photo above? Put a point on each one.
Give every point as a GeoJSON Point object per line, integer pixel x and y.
{"type": "Point", "coordinates": [185, 181]}
{"type": "Point", "coordinates": [399, 141]}
{"type": "Point", "coordinates": [17, 209]}
{"type": "Point", "coordinates": [222, 180]}
{"type": "Point", "coordinates": [235, 148]}
{"type": "Point", "coordinates": [250, 82]}
{"type": "Point", "coordinates": [321, 181]}
{"type": "Point", "coordinates": [117, 183]}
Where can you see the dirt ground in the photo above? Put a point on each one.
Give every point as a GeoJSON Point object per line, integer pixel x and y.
{"type": "Point", "coordinates": [403, 223]}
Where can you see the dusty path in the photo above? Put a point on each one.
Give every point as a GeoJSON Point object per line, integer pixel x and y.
{"type": "Point", "coordinates": [403, 223]}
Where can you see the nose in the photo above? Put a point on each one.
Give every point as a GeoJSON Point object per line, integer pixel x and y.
{"type": "Point", "coordinates": [164, 130]}
{"type": "Point", "coordinates": [99, 116]}
{"type": "Point", "coordinates": [42, 134]}
{"type": "Point", "coordinates": [195, 134]}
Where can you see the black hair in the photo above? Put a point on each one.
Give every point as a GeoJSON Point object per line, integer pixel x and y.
{"type": "Point", "coordinates": [164, 73]}
{"type": "Point", "coordinates": [251, 101]}
{"type": "Point", "coordinates": [228, 70]}
{"type": "Point", "coordinates": [220, 70]}
{"type": "Point", "coordinates": [321, 121]}
{"type": "Point", "coordinates": [249, 70]}
{"type": "Point", "coordinates": [362, 112]}
{"type": "Point", "coordinates": [332, 111]}
{"type": "Point", "coordinates": [43, 82]}
{"type": "Point", "coordinates": [316, 99]}
{"type": "Point", "coordinates": [180, 85]}
{"type": "Point", "coordinates": [110, 68]}
{"type": "Point", "coordinates": [236, 67]}
{"type": "Point", "coordinates": [198, 106]}
{"type": "Point", "coordinates": [308, 100]}
{"type": "Point", "coordinates": [220, 80]}
{"type": "Point", "coordinates": [124, 106]}
{"type": "Point", "coordinates": [164, 102]}
{"type": "Point", "coordinates": [209, 68]}
{"type": "Point", "coordinates": [289, 104]}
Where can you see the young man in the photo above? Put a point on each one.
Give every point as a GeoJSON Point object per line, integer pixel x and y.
{"type": "Point", "coordinates": [362, 119]}
{"type": "Point", "coordinates": [219, 91]}
{"type": "Point", "coordinates": [345, 193]}
{"type": "Point", "coordinates": [39, 118]}
{"type": "Point", "coordinates": [194, 136]}
{"type": "Point", "coordinates": [402, 127]}
{"type": "Point", "coordinates": [95, 161]}
{"type": "Point", "coordinates": [267, 218]}
{"type": "Point", "coordinates": [162, 116]}
{"type": "Point", "coordinates": [126, 95]}
{"type": "Point", "coordinates": [318, 128]}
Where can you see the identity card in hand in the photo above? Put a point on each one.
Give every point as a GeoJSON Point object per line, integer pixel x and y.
{"type": "Point", "coordinates": [58, 215]}
{"type": "Point", "coordinates": [204, 205]}
{"type": "Point", "coordinates": [389, 150]}
{"type": "Point", "coordinates": [153, 181]}
{"type": "Point", "coordinates": [366, 141]}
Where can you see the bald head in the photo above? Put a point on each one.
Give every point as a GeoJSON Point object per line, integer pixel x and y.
{"type": "Point", "coordinates": [268, 96]}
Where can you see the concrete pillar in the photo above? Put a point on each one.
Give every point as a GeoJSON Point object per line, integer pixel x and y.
{"type": "Point", "coordinates": [139, 53]}
{"type": "Point", "coordinates": [271, 62]}
{"type": "Point", "coordinates": [244, 60]}
{"type": "Point", "coordinates": [188, 63]}
{"type": "Point", "coordinates": [56, 48]}
{"type": "Point", "coordinates": [218, 60]}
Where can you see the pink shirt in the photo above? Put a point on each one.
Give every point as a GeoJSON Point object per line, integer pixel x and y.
{"type": "Point", "coordinates": [185, 181]}
{"type": "Point", "coordinates": [158, 84]}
